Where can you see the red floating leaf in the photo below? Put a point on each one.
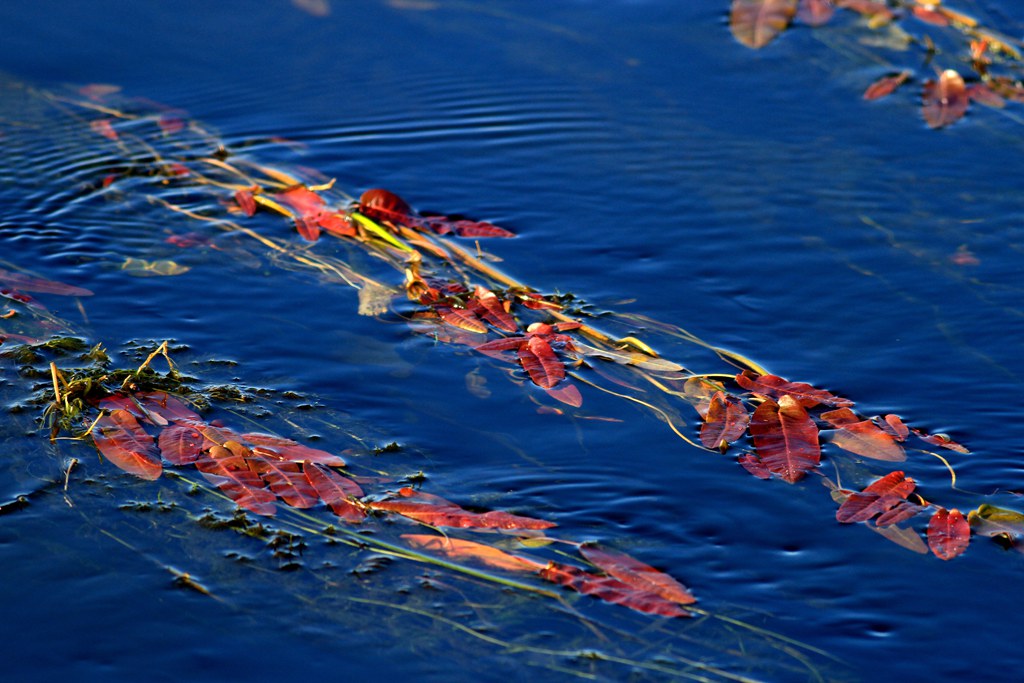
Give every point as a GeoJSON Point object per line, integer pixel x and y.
{"type": "Point", "coordinates": [611, 590]}
{"type": "Point", "coordinates": [894, 425]}
{"type": "Point", "coordinates": [245, 201]}
{"type": "Point", "coordinates": [308, 229]}
{"type": "Point", "coordinates": [103, 127]}
{"type": "Point", "coordinates": [929, 16]}
{"type": "Point", "coordinates": [726, 420]}
{"type": "Point", "coordinates": [755, 23]}
{"type": "Point", "coordinates": [900, 512]}
{"type": "Point", "coordinates": [233, 476]}
{"type": "Point", "coordinates": [785, 438]}
{"type": "Point", "coordinates": [751, 463]}
{"type": "Point", "coordinates": [27, 283]}
{"type": "Point", "coordinates": [940, 440]}
{"type": "Point", "coordinates": [461, 318]}
{"type": "Point", "coordinates": [496, 347]}
{"type": "Point", "coordinates": [867, 439]}
{"type": "Point", "coordinates": [567, 394]}
{"type": "Point", "coordinates": [458, 549]}
{"type": "Point", "coordinates": [123, 441]}
{"type": "Point", "coordinates": [494, 310]}
{"type": "Point", "coordinates": [287, 480]}
{"type": "Point", "coordinates": [885, 85]}
{"type": "Point", "coordinates": [181, 444]}
{"type": "Point", "coordinates": [879, 498]}
{"type": "Point", "coordinates": [541, 363]}
{"type": "Point", "coordinates": [774, 387]}
{"type": "Point", "coordinates": [436, 511]}
{"type": "Point", "coordinates": [868, 8]}
{"type": "Point", "coordinates": [286, 449]}
{"type": "Point", "coordinates": [464, 228]}
{"type": "Point", "coordinates": [815, 12]}
{"type": "Point", "coordinates": [383, 201]}
{"type": "Point", "coordinates": [945, 101]}
{"type": "Point", "coordinates": [335, 490]}
{"type": "Point", "coordinates": [167, 406]}
{"type": "Point", "coordinates": [948, 533]}
{"type": "Point", "coordinates": [895, 484]}
{"type": "Point", "coordinates": [637, 574]}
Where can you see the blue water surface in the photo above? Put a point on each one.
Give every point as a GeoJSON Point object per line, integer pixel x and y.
{"type": "Point", "coordinates": [649, 164]}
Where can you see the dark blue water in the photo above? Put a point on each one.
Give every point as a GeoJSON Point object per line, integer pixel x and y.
{"type": "Point", "coordinates": [650, 164]}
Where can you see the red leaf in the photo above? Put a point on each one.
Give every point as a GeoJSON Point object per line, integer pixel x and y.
{"type": "Point", "coordinates": [495, 347]}
{"type": "Point", "coordinates": [867, 439]}
{"type": "Point", "coordinates": [245, 201]}
{"type": "Point", "coordinates": [104, 128]}
{"type": "Point", "coordinates": [929, 16]}
{"type": "Point", "coordinates": [879, 498]}
{"type": "Point", "coordinates": [458, 549]}
{"type": "Point", "coordinates": [886, 85]}
{"type": "Point", "coordinates": [336, 224]}
{"type": "Point", "coordinates": [637, 574]}
{"type": "Point", "coordinates": [335, 490]}
{"type": "Point", "coordinates": [948, 533]}
{"type": "Point", "coordinates": [611, 590]}
{"type": "Point", "coordinates": [494, 310]}
{"type": "Point", "coordinates": [774, 387]}
{"type": "Point", "coordinates": [726, 421]}
{"type": "Point", "coordinates": [437, 511]}
{"type": "Point", "coordinates": [384, 201]}
{"type": "Point", "coordinates": [167, 406]}
{"type": "Point", "coordinates": [286, 449]}
{"type": "Point", "coordinates": [869, 8]}
{"type": "Point", "coordinates": [123, 441]}
{"type": "Point", "coordinates": [815, 12]}
{"type": "Point", "coordinates": [180, 444]}
{"type": "Point", "coordinates": [232, 475]}
{"type": "Point", "coordinates": [461, 318]}
{"type": "Point", "coordinates": [785, 438]}
{"type": "Point", "coordinates": [900, 512]}
{"type": "Point", "coordinates": [894, 425]}
{"type": "Point", "coordinates": [940, 440]}
{"type": "Point", "coordinates": [895, 483]}
{"type": "Point", "coordinates": [308, 229]}
{"type": "Point", "coordinates": [567, 394]}
{"type": "Point", "coordinates": [541, 363]}
{"type": "Point", "coordinates": [945, 101]}
{"type": "Point", "coordinates": [305, 202]}
{"type": "Point", "coordinates": [756, 22]}
{"type": "Point", "coordinates": [286, 480]}
{"type": "Point", "coordinates": [751, 463]}
{"type": "Point", "coordinates": [27, 283]}
{"type": "Point", "coordinates": [464, 228]}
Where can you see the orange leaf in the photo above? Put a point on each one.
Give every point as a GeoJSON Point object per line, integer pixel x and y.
{"type": "Point", "coordinates": [755, 23]}
{"type": "Point", "coordinates": [948, 533]}
{"type": "Point", "coordinates": [461, 318]}
{"type": "Point", "coordinates": [886, 85]}
{"type": "Point", "coordinates": [894, 425]}
{"type": "Point", "coordinates": [335, 490]}
{"type": "Point", "coordinates": [774, 387]}
{"type": "Point", "coordinates": [458, 549]}
{"type": "Point", "coordinates": [637, 574]}
{"type": "Point", "coordinates": [869, 8]}
{"type": "Point", "coordinates": [945, 101]}
{"type": "Point", "coordinates": [383, 201]}
{"type": "Point", "coordinates": [286, 449]}
{"type": "Point", "coordinates": [541, 363]}
{"type": "Point", "coordinates": [726, 421]}
{"type": "Point", "coordinates": [123, 441]}
{"type": "Point", "coordinates": [930, 16]}
{"type": "Point", "coordinates": [815, 12]}
{"type": "Point", "coordinates": [611, 590]}
{"type": "Point", "coordinates": [785, 438]}
{"type": "Point", "coordinates": [180, 444]}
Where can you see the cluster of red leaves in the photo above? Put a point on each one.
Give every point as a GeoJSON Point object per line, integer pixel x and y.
{"type": "Point", "coordinates": [626, 581]}
{"type": "Point", "coordinates": [308, 209]}
{"type": "Point", "coordinates": [886, 501]}
{"type": "Point", "coordinates": [945, 100]}
{"type": "Point", "coordinates": [258, 471]}
{"type": "Point", "coordinates": [785, 435]}
{"type": "Point", "coordinates": [382, 205]}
